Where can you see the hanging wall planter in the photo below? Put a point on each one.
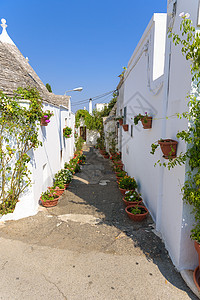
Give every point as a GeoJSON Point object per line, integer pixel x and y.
{"type": "Point", "coordinates": [147, 122]}
{"type": "Point", "coordinates": [168, 148]}
{"type": "Point", "coordinates": [125, 127]}
{"type": "Point", "coordinates": [43, 122]}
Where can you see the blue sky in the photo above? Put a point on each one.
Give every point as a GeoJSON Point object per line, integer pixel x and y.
{"type": "Point", "coordinates": [78, 43]}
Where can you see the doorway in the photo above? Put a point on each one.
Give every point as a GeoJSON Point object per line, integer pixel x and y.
{"type": "Point", "coordinates": [83, 132]}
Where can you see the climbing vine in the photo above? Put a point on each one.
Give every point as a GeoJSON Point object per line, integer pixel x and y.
{"type": "Point", "coordinates": [18, 136]}
{"type": "Point", "coordinates": [190, 47]}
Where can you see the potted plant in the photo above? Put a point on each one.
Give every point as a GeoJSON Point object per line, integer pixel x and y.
{"type": "Point", "coordinates": [167, 146]}
{"type": "Point", "coordinates": [59, 187]}
{"type": "Point", "coordinates": [127, 183]}
{"type": "Point", "coordinates": [136, 213]}
{"type": "Point", "coordinates": [106, 155]}
{"type": "Point", "coordinates": [120, 175]}
{"type": "Point", "coordinates": [120, 119]}
{"type": "Point", "coordinates": [45, 119]}
{"type": "Point", "coordinates": [65, 176]}
{"type": "Point", "coordinates": [145, 119]}
{"type": "Point", "coordinates": [125, 127]}
{"type": "Point", "coordinates": [67, 131]}
{"type": "Point", "coordinates": [118, 168]}
{"type": "Point", "coordinates": [132, 198]}
{"type": "Point", "coordinates": [49, 198]}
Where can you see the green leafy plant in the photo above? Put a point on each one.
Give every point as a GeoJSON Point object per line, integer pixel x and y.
{"type": "Point", "coordinates": [49, 88]}
{"type": "Point", "coordinates": [79, 143]}
{"type": "Point", "coordinates": [121, 173]}
{"type": "Point", "coordinates": [49, 195]}
{"type": "Point", "coordinates": [190, 47]}
{"type": "Point", "coordinates": [132, 196]}
{"type": "Point", "coordinates": [128, 183]}
{"type": "Point", "coordinates": [64, 175]}
{"type": "Point", "coordinates": [18, 136]}
{"type": "Point", "coordinates": [140, 117]}
{"type": "Point", "coordinates": [135, 210]}
{"type": "Point", "coordinates": [67, 131]}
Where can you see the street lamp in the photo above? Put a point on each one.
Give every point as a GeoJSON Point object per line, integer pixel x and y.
{"type": "Point", "coordinates": [78, 89]}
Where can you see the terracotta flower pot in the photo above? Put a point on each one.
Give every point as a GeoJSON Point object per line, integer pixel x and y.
{"type": "Point", "coordinates": [123, 191]}
{"type": "Point", "coordinates": [66, 185]}
{"type": "Point", "coordinates": [60, 192]}
{"type": "Point", "coordinates": [168, 148]}
{"type": "Point", "coordinates": [128, 203]}
{"type": "Point", "coordinates": [42, 122]}
{"type": "Point", "coordinates": [125, 127]}
{"type": "Point", "coordinates": [147, 122]}
{"type": "Point", "coordinates": [138, 217]}
{"type": "Point", "coordinates": [49, 203]}
{"type": "Point", "coordinates": [120, 122]}
{"type": "Point", "coordinates": [196, 273]}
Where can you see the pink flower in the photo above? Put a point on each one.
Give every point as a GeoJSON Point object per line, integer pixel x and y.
{"type": "Point", "coordinates": [182, 14]}
{"type": "Point", "coordinates": [47, 121]}
{"type": "Point", "coordinates": [45, 116]}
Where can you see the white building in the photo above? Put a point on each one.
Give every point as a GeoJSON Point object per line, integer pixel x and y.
{"type": "Point", "coordinates": [56, 150]}
{"type": "Point", "coordinates": [100, 106]}
{"type": "Point", "coordinates": [157, 81]}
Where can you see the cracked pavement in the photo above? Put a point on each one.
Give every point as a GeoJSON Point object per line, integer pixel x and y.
{"type": "Point", "coordinates": [86, 248]}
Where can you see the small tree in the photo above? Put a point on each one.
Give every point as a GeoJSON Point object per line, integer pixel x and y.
{"type": "Point", "coordinates": [49, 88]}
{"type": "Point", "coordinates": [18, 136]}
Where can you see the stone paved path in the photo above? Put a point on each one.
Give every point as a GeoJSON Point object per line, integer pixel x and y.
{"type": "Point", "coordinates": [86, 248]}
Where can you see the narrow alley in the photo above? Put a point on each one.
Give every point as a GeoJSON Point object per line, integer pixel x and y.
{"type": "Point", "coordinates": [86, 248]}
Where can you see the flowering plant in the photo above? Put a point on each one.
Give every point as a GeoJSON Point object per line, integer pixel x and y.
{"type": "Point", "coordinates": [121, 174]}
{"type": "Point", "coordinates": [46, 115]}
{"type": "Point", "coordinates": [58, 184]}
{"type": "Point", "coordinates": [128, 183]}
{"type": "Point", "coordinates": [140, 117]}
{"type": "Point", "coordinates": [67, 131]}
{"type": "Point", "coordinates": [64, 175]}
{"type": "Point", "coordinates": [132, 196]}
{"type": "Point", "coordinates": [50, 194]}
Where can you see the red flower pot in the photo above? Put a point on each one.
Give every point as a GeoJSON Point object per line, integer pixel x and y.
{"type": "Point", "coordinates": [168, 148]}
{"type": "Point", "coordinates": [120, 122]}
{"type": "Point", "coordinates": [42, 122]}
{"type": "Point", "coordinates": [66, 185]}
{"type": "Point", "coordinates": [49, 203]}
{"type": "Point", "coordinates": [147, 122]}
{"type": "Point", "coordinates": [138, 217]}
{"type": "Point", "coordinates": [128, 203]}
{"type": "Point", "coordinates": [123, 191]}
{"type": "Point", "coordinates": [60, 192]}
{"type": "Point", "coordinates": [125, 127]}
{"type": "Point", "coordinates": [196, 273]}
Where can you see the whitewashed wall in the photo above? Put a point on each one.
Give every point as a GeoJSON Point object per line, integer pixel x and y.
{"type": "Point", "coordinates": [46, 160]}
{"type": "Point", "coordinates": [157, 82]}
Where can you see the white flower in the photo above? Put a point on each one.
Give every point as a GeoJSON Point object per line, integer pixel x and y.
{"type": "Point", "coordinates": [187, 15]}
{"type": "Point", "coordinates": [182, 14]}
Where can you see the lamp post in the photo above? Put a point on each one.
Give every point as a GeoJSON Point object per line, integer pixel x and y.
{"type": "Point", "coordinates": [78, 89]}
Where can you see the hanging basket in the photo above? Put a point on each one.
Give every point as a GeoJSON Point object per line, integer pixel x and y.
{"type": "Point", "coordinates": [147, 122]}
{"type": "Point", "coordinates": [125, 127]}
{"type": "Point", "coordinates": [168, 148]}
{"type": "Point", "coordinates": [42, 122]}
{"type": "Point", "coordinates": [120, 122]}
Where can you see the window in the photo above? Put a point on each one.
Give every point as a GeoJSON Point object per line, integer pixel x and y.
{"type": "Point", "coordinates": [125, 113]}
{"type": "Point", "coordinates": [132, 130]}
